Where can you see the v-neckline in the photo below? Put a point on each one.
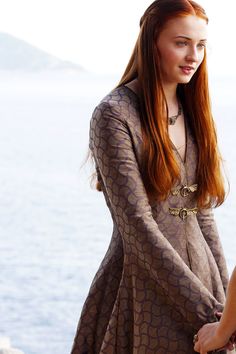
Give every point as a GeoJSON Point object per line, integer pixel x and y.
{"type": "Point", "coordinates": [183, 160]}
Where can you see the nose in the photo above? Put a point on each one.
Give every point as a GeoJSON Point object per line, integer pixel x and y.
{"type": "Point", "coordinates": [192, 55]}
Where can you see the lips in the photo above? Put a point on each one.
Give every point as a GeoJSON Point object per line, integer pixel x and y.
{"type": "Point", "coordinates": [187, 69]}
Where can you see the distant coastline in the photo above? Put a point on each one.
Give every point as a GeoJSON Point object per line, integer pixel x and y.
{"type": "Point", "coordinates": [19, 55]}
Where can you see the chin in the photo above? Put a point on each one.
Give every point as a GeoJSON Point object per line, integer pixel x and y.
{"type": "Point", "coordinates": [185, 80]}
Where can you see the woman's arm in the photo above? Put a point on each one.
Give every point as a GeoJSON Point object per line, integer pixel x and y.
{"type": "Point", "coordinates": [114, 156]}
{"type": "Point", "coordinates": [209, 230]}
{"type": "Point", "coordinates": [216, 335]}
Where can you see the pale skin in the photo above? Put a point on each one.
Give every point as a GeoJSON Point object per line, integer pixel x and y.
{"type": "Point", "coordinates": [181, 45]}
{"type": "Point", "coordinates": [216, 335]}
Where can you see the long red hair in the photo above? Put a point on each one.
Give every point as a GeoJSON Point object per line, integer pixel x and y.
{"type": "Point", "coordinates": [159, 167]}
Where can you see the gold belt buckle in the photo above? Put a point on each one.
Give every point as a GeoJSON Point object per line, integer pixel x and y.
{"type": "Point", "coordinates": [183, 213]}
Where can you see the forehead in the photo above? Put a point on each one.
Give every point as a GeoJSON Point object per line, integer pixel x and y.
{"type": "Point", "coordinates": [189, 26]}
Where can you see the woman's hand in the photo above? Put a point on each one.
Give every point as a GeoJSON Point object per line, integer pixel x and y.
{"type": "Point", "coordinates": [210, 339]}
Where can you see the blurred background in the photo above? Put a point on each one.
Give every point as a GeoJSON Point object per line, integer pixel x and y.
{"type": "Point", "coordinates": [57, 61]}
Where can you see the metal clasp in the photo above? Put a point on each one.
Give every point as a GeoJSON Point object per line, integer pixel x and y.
{"type": "Point", "coordinates": [184, 191]}
{"type": "Point", "coordinates": [183, 213]}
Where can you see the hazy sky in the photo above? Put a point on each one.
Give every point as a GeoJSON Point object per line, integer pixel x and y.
{"type": "Point", "coordinates": [100, 34]}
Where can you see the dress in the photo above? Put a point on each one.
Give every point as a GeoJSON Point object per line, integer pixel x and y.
{"type": "Point", "coordinates": [164, 274]}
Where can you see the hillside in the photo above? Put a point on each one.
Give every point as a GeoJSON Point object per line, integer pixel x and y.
{"type": "Point", "coordinates": [16, 54]}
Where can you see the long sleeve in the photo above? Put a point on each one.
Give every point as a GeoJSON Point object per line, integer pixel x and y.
{"type": "Point", "coordinates": [208, 227]}
{"type": "Point", "coordinates": [112, 148]}
{"type": "Point", "coordinates": [227, 324]}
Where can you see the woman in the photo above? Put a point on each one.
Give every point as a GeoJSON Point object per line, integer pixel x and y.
{"type": "Point", "coordinates": [216, 335]}
{"type": "Point", "coordinates": [154, 145]}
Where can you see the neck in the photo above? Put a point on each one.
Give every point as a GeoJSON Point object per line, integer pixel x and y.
{"type": "Point", "coordinates": [171, 98]}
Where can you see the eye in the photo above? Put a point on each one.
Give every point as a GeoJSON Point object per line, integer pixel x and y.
{"type": "Point", "coordinates": [182, 43]}
{"type": "Point", "coordinates": [201, 45]}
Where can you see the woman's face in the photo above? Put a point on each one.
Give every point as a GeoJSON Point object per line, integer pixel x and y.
{"type": "Point", "coordinates": [181, 45]}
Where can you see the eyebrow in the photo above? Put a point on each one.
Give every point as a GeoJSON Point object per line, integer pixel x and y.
{"type": "Point", "coordinates": [188, 38]}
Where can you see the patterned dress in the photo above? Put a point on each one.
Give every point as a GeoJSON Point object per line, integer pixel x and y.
{"type": "Point", "coordinates": [164, 274]}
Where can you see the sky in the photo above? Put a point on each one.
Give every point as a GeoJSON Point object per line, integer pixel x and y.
{"type": "Point", "coordinates": [100, 35]}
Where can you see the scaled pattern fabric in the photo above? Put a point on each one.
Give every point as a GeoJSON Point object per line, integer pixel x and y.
{"type": "Point", "coordinates": [164, 273]}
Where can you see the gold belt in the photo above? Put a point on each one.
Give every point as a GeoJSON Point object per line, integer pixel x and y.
{"type": "Point", "coordinates": [183, 212]}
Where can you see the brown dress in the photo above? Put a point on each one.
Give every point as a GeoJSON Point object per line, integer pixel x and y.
{"type": "Point", "coordinates": [164, 274]}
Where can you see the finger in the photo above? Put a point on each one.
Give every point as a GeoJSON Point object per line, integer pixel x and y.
{"type": "Point", "coordinates": [230, 346]}
{"type": "Point", "coordinates": [196, 347]}
{"type": "Point", "coordinates": [219, 314]}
